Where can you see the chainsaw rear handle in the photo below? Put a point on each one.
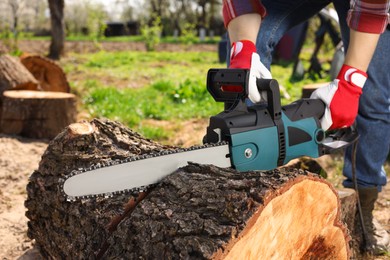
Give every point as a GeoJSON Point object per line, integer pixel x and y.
{"type": "Point", "coordinates": [231, 86]}
{"type": "Point", "coordinates": [227, 85]}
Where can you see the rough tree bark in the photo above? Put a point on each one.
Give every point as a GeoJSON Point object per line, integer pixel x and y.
{"type": "Point", "coordinates": [198, 212]}
{"type": "Point", "coordinates": [13, 75]}
{"type": "Point", "coordinates": [57, 28]}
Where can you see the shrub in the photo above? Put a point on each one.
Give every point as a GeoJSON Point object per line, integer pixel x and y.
{"type": "Point", "coordinates": [151, 34]}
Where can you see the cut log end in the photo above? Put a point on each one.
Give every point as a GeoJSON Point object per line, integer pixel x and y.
{"type": "Point", "coordinates": [50, 76]}
{"type": "Point", "coordinates": [81, 128]}
{"type": "Point", "coordinates": [27, 94]}
{"type": "Point", "coordinates": [293, 226]}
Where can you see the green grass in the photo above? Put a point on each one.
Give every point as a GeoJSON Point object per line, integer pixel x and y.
{"type": "Point", "coordinates": [133, 38]}
{"type": "Point", "coordinates": [137, 69]}
{"type": "Point", "coordinates": [162, 100]}
{"type": "Point", "coordinates": [133, 86]}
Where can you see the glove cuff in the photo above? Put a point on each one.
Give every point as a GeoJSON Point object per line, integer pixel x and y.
{"type": "Point", "coordinates": [352, 75]}
{"type": "Point", "coordinates": [241, 54]}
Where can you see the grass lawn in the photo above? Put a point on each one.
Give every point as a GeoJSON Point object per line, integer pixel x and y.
{"type": "Point", "coordinates": [139, 87]}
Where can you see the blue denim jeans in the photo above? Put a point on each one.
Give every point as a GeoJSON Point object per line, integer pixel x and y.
{"type": "Point", "coordinates": [373, 121]}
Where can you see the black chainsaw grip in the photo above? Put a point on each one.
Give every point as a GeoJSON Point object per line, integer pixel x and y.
{"type": "Point", "coordinates": [271, 86]}
{"type": "Point", "coordinates": [305, 108]}
{"type": "Point", "coordinates": [231, 85]}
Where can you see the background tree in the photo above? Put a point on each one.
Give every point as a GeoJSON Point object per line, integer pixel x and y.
{"type": "Point", "coordinates": [86, 18]}
{"type": "Point", "coordinates": [38, 21]}
{"type": "Point", "coordinates": [10, 22]}
{"type": "Point", "coordinates": [96, 22]}
{"type": "Point", "coordinates": [57, 28]}
{"type": "Point", "coordinates": [180, 13]}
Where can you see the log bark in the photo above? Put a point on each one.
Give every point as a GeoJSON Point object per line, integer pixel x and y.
{"type": "Point", "coordinates": [51, 77]}
{"type": "Point", "coordinates": [37, 114]}
{"type": "Point", "coordinates": [13, 75]}
{"type": "Point", "coordinates": [197, 212]}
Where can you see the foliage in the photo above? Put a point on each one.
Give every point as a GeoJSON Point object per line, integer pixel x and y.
{"type": "Point", "coordinates": [188, 34]}
{"type": "Point", "coordinates": [86, 18]}
{"type": "Point", "coordinates": [175, 13]}
{"type": "Point", "coordinates": [10, 39]}
{"type": "Point", "coordinates": [96, 23]}
{"type": "Point", "coordinates": [151, 34]}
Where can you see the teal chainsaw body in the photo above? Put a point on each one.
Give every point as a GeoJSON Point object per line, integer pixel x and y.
{"type": "Point", "coordinates": [266, 149]}
{"type": "Point", "coordinates": [244, 136]}
{"type": "Point", "coordinates": [266, 135]}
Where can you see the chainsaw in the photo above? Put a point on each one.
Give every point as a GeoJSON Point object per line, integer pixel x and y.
{"type": "Point", "coordinates": [244, 136]}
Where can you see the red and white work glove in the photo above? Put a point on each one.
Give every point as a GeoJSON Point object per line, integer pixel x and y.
{"type": "Point", "coordinates": [243, 55]}
{"type": "Point", "coordinates": [341, 98]}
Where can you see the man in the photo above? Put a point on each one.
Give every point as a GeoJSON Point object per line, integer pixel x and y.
{"type": "Point", "coordinates": [367, 62]}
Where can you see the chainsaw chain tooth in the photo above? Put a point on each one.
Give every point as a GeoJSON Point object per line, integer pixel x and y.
{"type": "Point", "coordinates": [131, 192]}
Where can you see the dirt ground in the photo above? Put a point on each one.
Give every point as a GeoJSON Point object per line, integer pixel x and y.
{"type": "Point", "coordinates": [19, 157]}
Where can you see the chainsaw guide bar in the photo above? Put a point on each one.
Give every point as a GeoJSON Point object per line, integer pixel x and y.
{"type": "Point", "coordinates": [73, 177]}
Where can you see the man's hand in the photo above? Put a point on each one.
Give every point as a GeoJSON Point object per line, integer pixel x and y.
{"type": "Point", "coordinates": [341, 98]}
{"type": "Point", "coordinates": [243, 55]}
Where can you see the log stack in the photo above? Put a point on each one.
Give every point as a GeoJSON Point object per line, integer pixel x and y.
{"type": "Point", "coordinates": [197, 212]}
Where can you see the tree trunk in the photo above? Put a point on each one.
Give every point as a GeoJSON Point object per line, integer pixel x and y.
{"type": "Point", "coordinates": [51, 77]}
{"type": "Point", "coordinates": [57, 28]}
{"type": "Point", "coordinates": [37, 114]}
{"type": "Point", "coordinates": [198, 212]}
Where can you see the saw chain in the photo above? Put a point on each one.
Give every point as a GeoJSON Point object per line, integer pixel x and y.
{"type": "Point", "coordinates": [132, 191]}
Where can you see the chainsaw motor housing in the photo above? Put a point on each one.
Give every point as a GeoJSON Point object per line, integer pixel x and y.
{"type": "Point", "coordinates": [266, 135]}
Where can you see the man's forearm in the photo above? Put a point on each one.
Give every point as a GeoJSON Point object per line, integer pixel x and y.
{"type": "Point", "coordinates": [361, 49]}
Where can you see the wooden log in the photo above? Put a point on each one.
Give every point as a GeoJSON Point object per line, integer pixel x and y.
{"type": "Point", "coordinates": [37, 114]}
{"type": "Point", "coordinates": [307, 90]}
{"type": "Point", "coordinates": [49, 74]}
{"type": "Point", "coordinates": [13, 75]}
{"type": "Point", "coordinates": [198, 212]}
{"type": "Point", "coordinates": [221, 214]}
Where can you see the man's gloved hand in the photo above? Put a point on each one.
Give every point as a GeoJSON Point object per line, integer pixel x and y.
{"type": "Point", "coordinates": [341, 98]}
{"type": "Point", "coordinates": [243, 55]}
